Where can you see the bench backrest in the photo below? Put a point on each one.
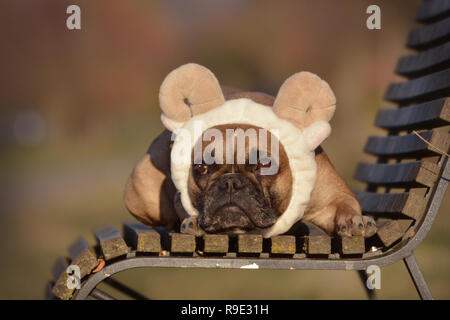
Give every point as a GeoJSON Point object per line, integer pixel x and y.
{"type": "Point", "coordinates": [411, 158]}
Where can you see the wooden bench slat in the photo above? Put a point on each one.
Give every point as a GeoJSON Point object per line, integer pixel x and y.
{"type": "Point", "coordinates": [182, 243]}
{"type": "Point", "coordinates": [433, 86]}
{"type": "Point", "coordinates": [111, 242]}
{"type": "Point", "coordinates": [82, 256]}
{"type": "Point", "coordinates": [432, 10]}
{"type": "Point", "coordinates": [141, 237]}
{"type": "Point", "coordinates": [389, 233]}
{"type": "Point", "coordinates": [411, 204]}
{"type": "Point", "coordinates": [352, 245]}
{"type": "Point", "coordinates": [283, 245]}
{"type": "Point", "coordinates": [60, 276]}
{"type": "Point", "coordinates": [61, 290]}
{"type": "Point", "coordinates": [426, 115]}
{"type": "Point", "coordinates": [317, 245]}
{"type": "Point", "coordinates": [429, 35]}
{"type": "Point", "coordinates": [408, 146]}
{"type": "Point", "coordinates": [408, 174]}
{"type": "Point", "coordinates": [215, 243]}
{"type": "Point", "coordinates": [250, 243]}
{"type": "Point", "coordinates": [424, 62]}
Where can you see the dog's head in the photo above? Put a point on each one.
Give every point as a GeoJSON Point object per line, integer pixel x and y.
{"type": "Point", "coordinates": [240, 165]}
{"type": "Point", "coordinates": [244, 186]}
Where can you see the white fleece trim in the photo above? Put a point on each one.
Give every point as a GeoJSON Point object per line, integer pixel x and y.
{"type": "Point", "coordinates": [245, 111]}
{"type": "Point", "coordinates": [170, 124]}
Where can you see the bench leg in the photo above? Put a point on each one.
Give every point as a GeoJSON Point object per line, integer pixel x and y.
{"type": "Point", "coordinates": [101, 295]}
{"type": "Point", "coordinates": [417, 277]}
{"type": "Point", "coordinates": [371, 294]}
{"type": "Point", "coordinates": [125, 289]}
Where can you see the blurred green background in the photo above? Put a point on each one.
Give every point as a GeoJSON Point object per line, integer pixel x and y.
{"type": "Point", "coordinates": [79, 109]}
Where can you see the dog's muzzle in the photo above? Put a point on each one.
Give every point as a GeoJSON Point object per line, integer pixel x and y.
{"type": "Point", "coordinates": [234, 203]}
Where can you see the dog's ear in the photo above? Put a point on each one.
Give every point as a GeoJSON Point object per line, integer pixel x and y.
{"type": "Point", "coordinates": [188, 91]}
{"type": "Point", "coordinates": [309, 103]}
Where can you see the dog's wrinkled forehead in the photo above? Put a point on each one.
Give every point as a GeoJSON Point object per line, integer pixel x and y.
{"type": "Point", "coordinates": [230, 143]}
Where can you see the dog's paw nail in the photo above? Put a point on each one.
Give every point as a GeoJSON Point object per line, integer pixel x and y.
{"type": "Point", "coordinates": [371, 227]}
{"type": "Point", "coordinates": [190, 226]}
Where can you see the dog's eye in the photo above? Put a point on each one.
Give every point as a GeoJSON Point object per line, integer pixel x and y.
{"type": "Point", "coordinates": [263, 163]}
{"type": "Point", "coordinates": [201, 168]}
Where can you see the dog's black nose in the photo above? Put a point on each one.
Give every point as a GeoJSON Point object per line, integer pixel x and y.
{"type": "Point", "coordinates": [231, 182]}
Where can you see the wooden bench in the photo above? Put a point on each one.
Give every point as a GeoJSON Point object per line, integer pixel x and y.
{"type": "Point", "coordinates": [405, 187]}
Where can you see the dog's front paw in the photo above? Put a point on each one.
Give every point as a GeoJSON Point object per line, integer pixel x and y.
{"type": "Point", "coordinates": [370, 226]}
{"type": "Point", "coordinates": [190, 226]}
{"type": "Point", "coordinates": [350, 223]}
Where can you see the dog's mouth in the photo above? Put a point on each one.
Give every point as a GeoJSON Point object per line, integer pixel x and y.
{"type": "Point", "coordinates": [231, 208]}
{"type": "Point", "coordinates": [231, 219]}
{"type": "Point", "coordinates": [228, 218]}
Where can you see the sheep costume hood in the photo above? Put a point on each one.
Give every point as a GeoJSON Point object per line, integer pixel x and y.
{"type": "Point", "coordinates": [191, 98]}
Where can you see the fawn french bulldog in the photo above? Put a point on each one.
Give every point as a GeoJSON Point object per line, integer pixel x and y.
{"type": "Point", "coordinates": [234, 162]}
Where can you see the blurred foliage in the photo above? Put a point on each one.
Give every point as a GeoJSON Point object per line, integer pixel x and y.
{"type": "Point", "coordinates": [79, 108]}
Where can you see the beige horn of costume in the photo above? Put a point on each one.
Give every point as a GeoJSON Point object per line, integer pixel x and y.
{"type": "Point", "coordinates": [188, 91]}
{"type": "Point", "coordinates": [304, 98]}
{"type": "Point", "coordinates": [309, 103]}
